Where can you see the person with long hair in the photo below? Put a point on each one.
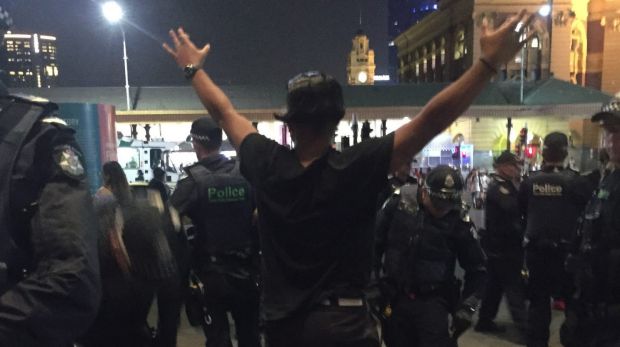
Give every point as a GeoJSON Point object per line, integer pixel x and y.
{"type": "Point", "coordinates": [135, 258]}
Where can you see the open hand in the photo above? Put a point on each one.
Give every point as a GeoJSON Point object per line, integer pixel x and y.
{"type": "Point", "coordinates": [502, 44]}
{"type": "Point", "coordinates": [184, 51]}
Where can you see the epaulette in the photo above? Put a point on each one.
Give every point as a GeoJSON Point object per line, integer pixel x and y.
{"type": "Point", "coordinates": [31, 99]}
{"type": "Point", "coordinates": [54, 120]}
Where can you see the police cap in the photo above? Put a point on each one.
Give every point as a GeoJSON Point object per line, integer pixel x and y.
{"type": "Point", "coordinates": [445, 183]}
{"type": "Point", "coordinates": [313, 97]}
{"type": "Point", "coordinates": [206, 131]}
{"type": "Point", "coordinates": [506, 157]}
{"type": "Point", "coordinates": [609, 113]}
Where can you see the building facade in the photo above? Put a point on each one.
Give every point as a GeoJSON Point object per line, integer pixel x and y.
{"type": "Point", "coordinates": [361, 63]}
{"type": "Point", "coordinates": [29, 60]}
{"type": "Point", "coordinates": [402, 14]}
{"type": "Point", "coordinates": [576, 42]}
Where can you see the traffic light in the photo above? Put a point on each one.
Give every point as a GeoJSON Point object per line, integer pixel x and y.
{"type": "Point", "coordinates": [530, 151]}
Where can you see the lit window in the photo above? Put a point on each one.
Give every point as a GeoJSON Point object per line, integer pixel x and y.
{"type": "Point", "coordinates": [459, 44]}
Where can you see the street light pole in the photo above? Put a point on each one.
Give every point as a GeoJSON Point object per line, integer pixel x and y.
{"type": "Point", "coordinates": [113, 12]}
{"type": "Point", "coordinates": [126, 70]}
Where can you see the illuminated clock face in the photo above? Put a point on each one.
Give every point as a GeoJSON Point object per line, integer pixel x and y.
{"type": "Point", "coordinates": [362, 77]}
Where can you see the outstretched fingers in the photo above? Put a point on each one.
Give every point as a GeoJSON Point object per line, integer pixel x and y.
{"type": "Point", "coordinates": [169, 50]}
{"type": "Point", "coordinates": [175, 38]}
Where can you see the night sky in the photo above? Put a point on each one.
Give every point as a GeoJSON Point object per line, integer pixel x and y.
{"type": "Point", "coordinates": [252, 41]}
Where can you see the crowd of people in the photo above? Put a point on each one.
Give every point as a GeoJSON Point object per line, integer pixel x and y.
{"type": "Point", "coordinates": [292, 242]}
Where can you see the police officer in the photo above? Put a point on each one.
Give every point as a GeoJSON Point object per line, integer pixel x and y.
{"type": "Point", "coordinates": [220, 204]}
{"type": "Point", "coordinates": [422, 242]}
{"type": "Point", "coordinates": [593, 316]}
{"type": "Point", "coordinates": [501, 241]}
{"type": "Point", "coordinates": [551, 200]}
{"type": "Point", "coordinates": [49, 272]}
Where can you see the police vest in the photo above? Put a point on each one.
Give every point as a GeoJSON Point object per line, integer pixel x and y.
{"type": "Point", "coordinates": [553, 207]}
{"type": "Point", "coordinates": [17, 118]}
{"type": "Point", "coordinates": [419, 253]}
{"type": "Point", "coordinates": [226, 207]}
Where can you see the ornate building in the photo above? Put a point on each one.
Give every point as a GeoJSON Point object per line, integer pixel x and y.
{"type": "Point", "coordinates": [576, 42]}
{"type": "Point", "coordinates": [361, 62]}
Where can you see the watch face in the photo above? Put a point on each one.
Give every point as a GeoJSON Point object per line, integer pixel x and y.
{"type": "Point", "coordinates": [362, 77]}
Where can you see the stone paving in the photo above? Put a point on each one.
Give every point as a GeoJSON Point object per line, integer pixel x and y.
{"type": "Point", "coordinates": [192, 337]}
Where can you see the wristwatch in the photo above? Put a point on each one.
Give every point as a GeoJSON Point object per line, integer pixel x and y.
{"type": "Point", "coordinates": [190, 70]}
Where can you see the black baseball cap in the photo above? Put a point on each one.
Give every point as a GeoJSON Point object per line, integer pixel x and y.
{"type": "Point", "coordinates": [313, 97]}
{"type": "Point", "coordinates": [445, 183]}
{"type": "Point", "coordinates": [205, 130]}
{"type": "Point", "coordinates": [507, 157]}
{"type": "Point", "coordinates": [609, 113]}
{"type": "Point", "coordinates": [555, 141]}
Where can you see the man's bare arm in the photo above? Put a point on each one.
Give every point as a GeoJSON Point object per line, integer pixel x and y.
{"type": "Point", "coordinates": [497, 48]}
{"type": "Point", "coordinates": [212, 97]}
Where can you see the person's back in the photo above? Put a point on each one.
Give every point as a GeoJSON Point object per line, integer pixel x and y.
{"type": "Point", "coordinates": [555, 198]}
{"type": "Point", "coordinates": [552, 200]}
{"type": "Point", "coordinates": [135, 257]}
{"type": "Point", "coordinates": [158, 183]}
{"type": "Point", "coordinates": [220, 203]}
{"type": "Point", "coordinates": [316, 221]}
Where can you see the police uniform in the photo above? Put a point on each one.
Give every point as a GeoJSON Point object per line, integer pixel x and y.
{"type": "Point", "coordinates": [593, 316]}
{"type": "Point", "coordinates": [551, 199]}
{"type": "Point", "coordinates": [501, 241]}
{"type": "Point", "coordinates": [219, 201]}
{"type": "Point", "coordinates": [419, 266]}
{"type": "Point", "coordinates": [49, 272]}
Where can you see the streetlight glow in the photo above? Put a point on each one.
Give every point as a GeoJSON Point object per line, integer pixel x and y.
{"type": "Point", "coordinates": [112, 11]}
{"type": "Point", "coordinates": [544, 10]}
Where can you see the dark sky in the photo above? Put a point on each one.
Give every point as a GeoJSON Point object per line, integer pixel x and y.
{"type": "Point", "coordinates": [253, 41]}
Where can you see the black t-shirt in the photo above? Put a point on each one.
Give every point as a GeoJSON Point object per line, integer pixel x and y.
{"type": "Point", "coordinates": [316, 223]}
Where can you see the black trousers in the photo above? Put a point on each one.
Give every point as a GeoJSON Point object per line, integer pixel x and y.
{"type": "Point", "coordinates": [419, 322]}
{"type": "Point", "coordinates": [325, 326]}
{"type": "Point", "coordinates": [504, 277]}
{"type": "Point", "coordinates": [169, 301]}
{"type": "Point", "coordinates": [239, 296]}
{"type": "Point", "coordinates": [547, 278]}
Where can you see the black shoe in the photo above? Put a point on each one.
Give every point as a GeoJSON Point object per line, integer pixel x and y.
{"type": "Point", "coordinates": [489, 327]}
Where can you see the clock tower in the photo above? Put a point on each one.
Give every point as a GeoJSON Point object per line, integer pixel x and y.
{"type": "Point", "coordinates": [361, 62]}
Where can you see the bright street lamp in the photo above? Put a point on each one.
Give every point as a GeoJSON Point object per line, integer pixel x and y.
{"type": "Point", "coordinates": [113, 12]}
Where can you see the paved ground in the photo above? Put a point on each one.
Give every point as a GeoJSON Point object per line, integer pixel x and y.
{"type": "Point", "coordinates": [192, 337]}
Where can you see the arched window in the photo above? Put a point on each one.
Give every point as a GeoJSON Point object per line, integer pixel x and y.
{"type": "Point", "coordinates": [442, 51]}
{"type": "Point", "coordinates": [433, 56]}
{"type": "Point", "coordinates": [459, 43]}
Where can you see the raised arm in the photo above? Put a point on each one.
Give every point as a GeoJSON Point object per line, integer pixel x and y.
{"type": "Point", "coordinates": [212, 97]}
{"type": "Point", "coordinates": [497, 47]}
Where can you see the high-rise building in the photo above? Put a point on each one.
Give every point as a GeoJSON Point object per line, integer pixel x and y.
{"type": "Point", "coordinates": [402, 14]}
{"type": "Point", "coordinates": [29, 60]}
{"type": "Point", "coordinates": [361, 63]}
